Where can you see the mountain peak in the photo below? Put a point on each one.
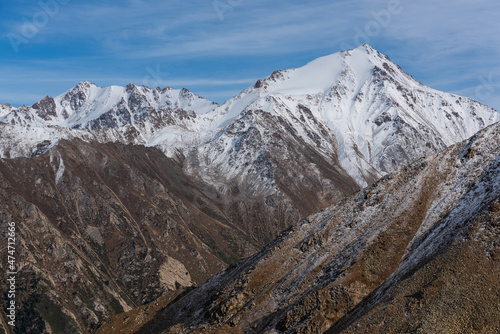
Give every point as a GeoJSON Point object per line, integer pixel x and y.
{"type": "Point", "coordinates": [84, 85]}
{"type": "Point", "coordinates": [369, 48]}
{"type": "Point", "coordinates": [366, 48]}
{"type": "Point", "coordinates": [321, 74]}
{"type": "Point", "coordinates": [371, 106]}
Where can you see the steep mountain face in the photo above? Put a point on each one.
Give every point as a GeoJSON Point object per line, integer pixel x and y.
{"type": "Point", "coordinates": [103, 228]}
{"type": "Point", "coordinates": [259, 154]}
{"type": "Point", "coordinates": [379, 117]}
{"type": "Point", "coordinates": [416, 251]}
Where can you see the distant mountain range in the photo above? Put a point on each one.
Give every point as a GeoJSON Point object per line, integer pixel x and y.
{"type": "Point", "coordinates": [131, 192]}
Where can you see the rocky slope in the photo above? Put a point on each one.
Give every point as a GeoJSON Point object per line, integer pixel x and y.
{"type": "Point", "coordinates": [415, 252]}
{"type": "Point", "coordinates": [103, 228]}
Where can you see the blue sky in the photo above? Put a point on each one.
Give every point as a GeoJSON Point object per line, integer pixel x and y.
{"type": "Point", "coordinates": [216, 48]}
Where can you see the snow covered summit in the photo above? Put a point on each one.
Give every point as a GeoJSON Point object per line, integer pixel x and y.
{"type": "Point", "coordinates": [364, 108]}
{"type": "Point", "coordinates": [356, 109]}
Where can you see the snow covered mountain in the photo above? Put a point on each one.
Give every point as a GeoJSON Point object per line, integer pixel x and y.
{"type": "Point", "coordinates": [130, 114]}
{"type": "Point", "coordinates": [377, 118]}
{"type": "Point", "coordinates": [343, 119]}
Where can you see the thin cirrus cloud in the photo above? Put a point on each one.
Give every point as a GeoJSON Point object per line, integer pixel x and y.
{"type": "Point", "coordinates": [250, 28]}
{"type": "Point", "coordinates": [203, 46]}
{"type": "Point", "coordinates": [245, 30]}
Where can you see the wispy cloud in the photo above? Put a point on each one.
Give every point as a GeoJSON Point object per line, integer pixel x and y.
{"type": "Point", "coordinates": [445, 45]}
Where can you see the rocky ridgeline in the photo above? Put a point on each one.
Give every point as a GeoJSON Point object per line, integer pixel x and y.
{"type": "Point", "coordinates": [416, 251]}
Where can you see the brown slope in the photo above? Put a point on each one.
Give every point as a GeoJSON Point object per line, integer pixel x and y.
{"type": "Point", "coordinates": [455, 292]}
{"type": "Point", "coordinates": [412, 245]}
{"type": "Point", "coordinates": [105, 227]}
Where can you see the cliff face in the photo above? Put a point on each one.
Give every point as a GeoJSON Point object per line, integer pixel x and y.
{"type": "Point", "coordinates": [416, 251]}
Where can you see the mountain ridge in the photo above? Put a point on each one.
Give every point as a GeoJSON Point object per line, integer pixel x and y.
{"type": "Point", "coordinates": [85, 105]}
{"type": "Point", "coordinates": [384, 258]}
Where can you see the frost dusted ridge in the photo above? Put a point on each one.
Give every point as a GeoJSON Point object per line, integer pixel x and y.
{"type": "Point", "coordinates": [416, 250]}
{"type": "Point", "coordinates": [355, 105]}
